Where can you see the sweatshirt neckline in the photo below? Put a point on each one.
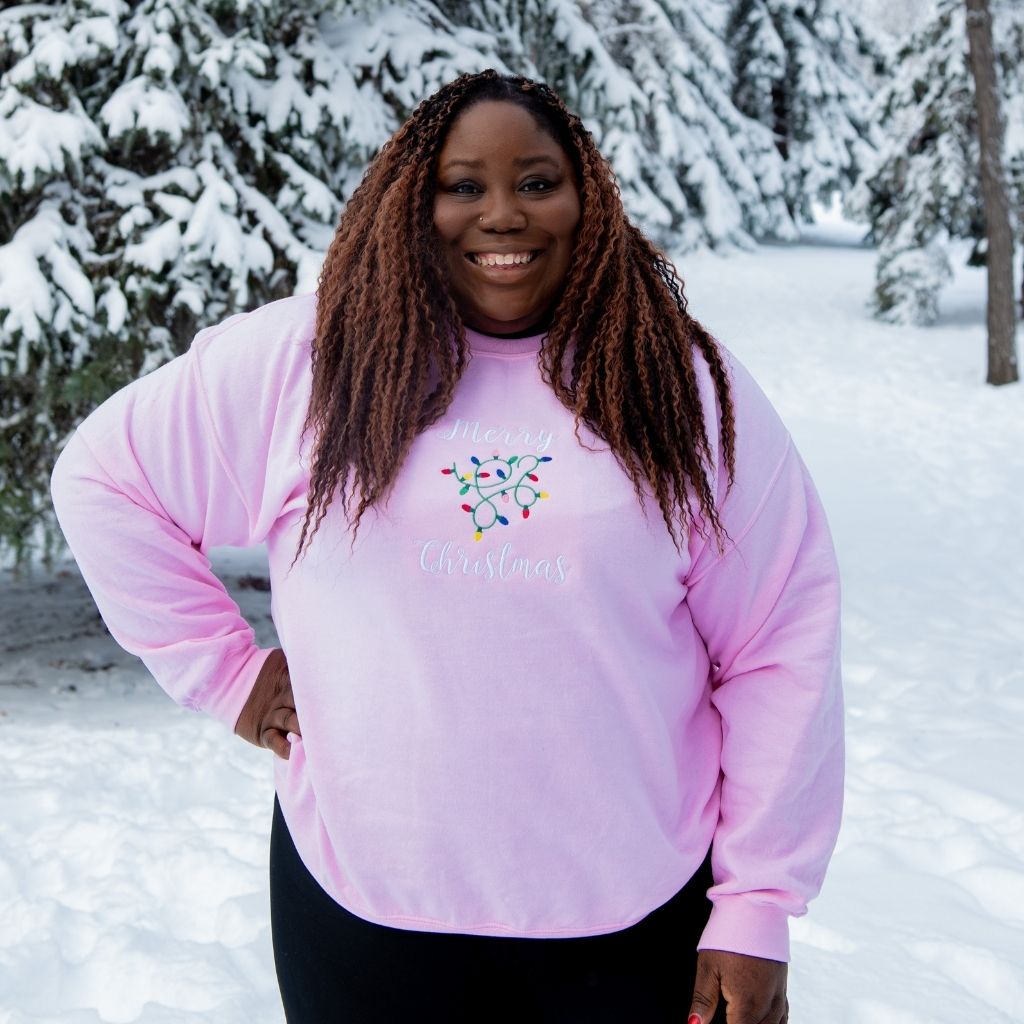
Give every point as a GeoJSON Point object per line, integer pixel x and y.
{"type": "Point", "coordinates": [503, 346]}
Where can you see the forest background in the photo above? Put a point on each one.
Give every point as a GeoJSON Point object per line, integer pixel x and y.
{"type": "Point", "coordinates": [164, 163]}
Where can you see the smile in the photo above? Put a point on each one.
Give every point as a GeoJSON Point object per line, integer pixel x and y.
{"type": "Point", "coordinates": [502, 259]}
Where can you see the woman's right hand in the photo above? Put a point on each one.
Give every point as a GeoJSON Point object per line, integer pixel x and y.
{"type": "Point", "coordinates": [269, 713]}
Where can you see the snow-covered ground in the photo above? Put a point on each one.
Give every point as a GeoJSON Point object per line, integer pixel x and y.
{"type": "Point", "coordinates": [133, 834]}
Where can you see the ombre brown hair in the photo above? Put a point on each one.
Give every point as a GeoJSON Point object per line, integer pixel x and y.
{"type": "Point", "coordinates": [390, 345]}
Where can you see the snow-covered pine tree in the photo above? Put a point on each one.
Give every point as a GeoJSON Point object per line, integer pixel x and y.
{"type": "Point", "coordinates": [654, 81]}
{"type": "Point", "coordinates": [805, 71]}
{"type": "Point", "coordinates": [163, 163]}
{"type": "Point", "coordinates": [47, 299]}
{"type": "Point", "coordinates": [897, 18]}
{"type": "Point", "coordinates": [923, 188]}
{"type": "Point", "coordinates": [166, 162]}
{"type": "Point", "coordinates": [401, 51]}
{"type": "Point", "coordinates": [651, 79]}
{"type": "Point", "coordinates": [712, 175]}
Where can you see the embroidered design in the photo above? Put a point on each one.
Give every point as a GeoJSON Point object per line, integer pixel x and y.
{"type": "Point", "coordinates": [498, 481]}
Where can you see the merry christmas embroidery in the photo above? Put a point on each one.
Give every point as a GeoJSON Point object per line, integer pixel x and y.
{"type": "Point", "coordinates": [495, 485]}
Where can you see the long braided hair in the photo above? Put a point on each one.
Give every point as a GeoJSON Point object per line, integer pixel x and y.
{"type": "Point", "coordinates": [390, 345]}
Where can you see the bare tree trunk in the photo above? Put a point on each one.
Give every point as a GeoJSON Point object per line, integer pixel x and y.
{"type": "Point", "coordinates": [1002, 320]}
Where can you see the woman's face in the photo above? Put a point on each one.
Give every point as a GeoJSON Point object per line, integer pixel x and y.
{"type": "Point", "coordinates": [506, 209]}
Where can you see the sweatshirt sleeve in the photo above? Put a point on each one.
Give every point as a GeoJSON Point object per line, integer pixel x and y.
{"type": "Point", "coordinates": [169, 467]}
{"type": "Point", "coordinates": [767, 608]}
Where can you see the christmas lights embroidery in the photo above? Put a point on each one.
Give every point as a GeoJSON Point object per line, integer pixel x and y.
{"type": "Point", "coordinates": [495, 484]}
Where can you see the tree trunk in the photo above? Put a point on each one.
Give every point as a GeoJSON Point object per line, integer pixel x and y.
{"type": "Point", "coordinates": [1002, 320]}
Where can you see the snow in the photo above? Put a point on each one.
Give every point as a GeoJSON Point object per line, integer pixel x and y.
{"type": "Point", "coordinates": [313, 195]}
{"type": "Point", "coordinates": [140, 104]}
{"type": "Point", "coordinates": [162, 56]}
{"type": "Point", "coordinates": [115, 307]}
{"type": "Point", "coordinates": [133, 834]}
{"type": "Point", "coordinates": [159, 247]}
{"type": "Point", "coordinates": [50, 56]}
{"type": "Point", "coordinates": [38, 142]}
{"type": "Point", "coordinates": [40, 283]}
{"type": "Point", "coordinates": [25, 292]}
{"type": "Point", "coordinates": [212, 227]}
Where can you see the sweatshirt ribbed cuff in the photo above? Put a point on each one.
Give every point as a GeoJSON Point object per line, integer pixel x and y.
{"type": "Point", "coordinates": [738, 924]}
{"type": "Point", "coordinates": [226, 700]}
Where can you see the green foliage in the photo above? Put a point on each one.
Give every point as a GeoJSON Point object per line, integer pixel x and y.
{"type": "Point", "coordinates": [166, 163]}
{"type": "Point", "coordinates": [163, 163]}
{"type": "Point", "coordinates": [805, 72]}
{"type": "Point", "coordinates": [924, 187]}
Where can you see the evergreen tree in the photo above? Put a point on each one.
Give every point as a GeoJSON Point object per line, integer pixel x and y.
{"type": "Point", "coordinates": [651, 78]}
{"type": "Point", "coordinates": [924, 186]}
{"type": "Point", "coordinates": [162, 164]}
{"type": "Point", "coordinates": [710, 174]}
{"type": "Point", "coordinates": [805, 70]}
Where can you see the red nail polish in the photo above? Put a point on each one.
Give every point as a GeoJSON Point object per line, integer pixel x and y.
{"type": "Point", "coordinates": [694, 1019]}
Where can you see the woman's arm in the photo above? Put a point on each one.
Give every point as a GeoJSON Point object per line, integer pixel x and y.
{"type": "Point", "coordinates": [176, 463]}
{"type": "Point", "coordinates": [767, 608]}
{"type": "Point", "coordinates": [768, 611]}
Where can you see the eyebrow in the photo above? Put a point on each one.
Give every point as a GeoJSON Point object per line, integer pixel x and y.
{"type": "Point", "coordinates": [518, 162]}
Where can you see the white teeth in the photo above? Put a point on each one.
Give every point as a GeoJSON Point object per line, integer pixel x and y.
{"type": "Point", "coordinates": [504, 259]}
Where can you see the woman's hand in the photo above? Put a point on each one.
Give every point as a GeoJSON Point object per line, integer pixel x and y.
{"type": "Point", "coordinates": [754, 989]}
{"type": "Point", "coordinates": [269, 713]}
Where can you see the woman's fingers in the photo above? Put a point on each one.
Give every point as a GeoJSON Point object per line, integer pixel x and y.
{"type": "Point", "coordinates": [292, 719]}
{"type": "Point", "coordinates": [271, 690]}
{"type": "Point", "coordinates": [269, 713]}
{"type": "Point", "coordinates": [286, 703]}
{"type": "Point", "coordinates": [277, 727]}
{"type": "Point", "coordinates": [281, 717]}
{"type": "Point", "coordinates": [277, 741]}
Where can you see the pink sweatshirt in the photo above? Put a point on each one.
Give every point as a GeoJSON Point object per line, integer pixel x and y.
{"type": "Point", "coordinates": [523, 711]}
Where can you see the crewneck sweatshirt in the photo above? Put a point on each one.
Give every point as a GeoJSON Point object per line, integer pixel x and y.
{"type": "Point", "coordinates": [524, 712]}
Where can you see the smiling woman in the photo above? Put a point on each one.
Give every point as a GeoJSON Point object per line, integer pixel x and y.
{"type": "Point", "coordinates": [507, 208]}
{"type": "Point", "coordinates": [542, 754]}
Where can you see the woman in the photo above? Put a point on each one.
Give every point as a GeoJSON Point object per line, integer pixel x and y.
{"type": "Point", "coordinates": [523, 722]}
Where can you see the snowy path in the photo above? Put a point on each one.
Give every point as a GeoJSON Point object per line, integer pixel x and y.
{"type": "Point", "coordinates": [922, 470]}
{"type": "Point", "coordinates": [133, 835]}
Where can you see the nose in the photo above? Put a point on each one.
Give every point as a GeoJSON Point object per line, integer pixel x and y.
{"type": "Point", "coordinates": [502, 212]}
